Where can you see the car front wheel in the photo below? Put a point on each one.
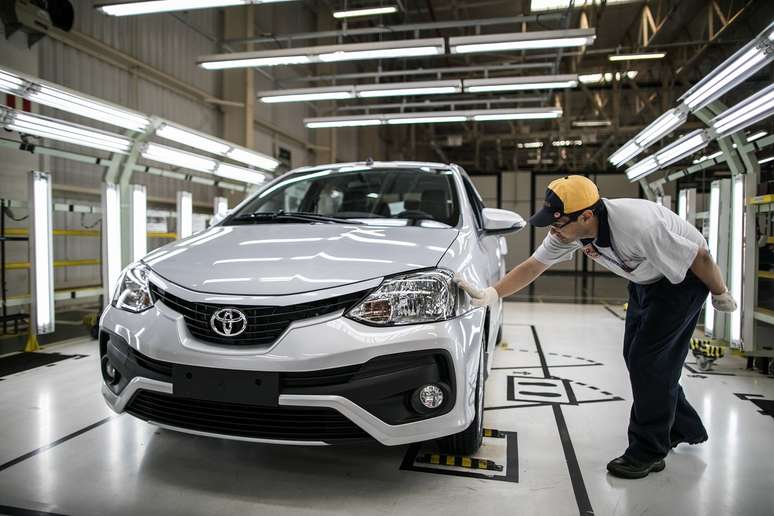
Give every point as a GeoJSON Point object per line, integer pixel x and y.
{"type": "Point", "coordinates": [469, 440]}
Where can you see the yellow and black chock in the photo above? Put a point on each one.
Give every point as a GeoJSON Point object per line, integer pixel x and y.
{"type": "Point", "coordinates": [459, 461]}
{"type": "Point", "coordinates": [706, 348]}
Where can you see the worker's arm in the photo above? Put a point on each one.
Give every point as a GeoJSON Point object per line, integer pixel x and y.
{"type": "Point", "coordinates": [520, 276]}
{"type": "Point", "coordinates": [705, 268]}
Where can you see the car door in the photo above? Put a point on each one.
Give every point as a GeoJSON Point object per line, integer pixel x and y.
{"type": "Point", "coordinates": [491, 251]}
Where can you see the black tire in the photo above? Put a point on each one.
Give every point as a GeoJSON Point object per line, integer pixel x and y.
{"type": "Point", "coordinates": [469, 440]}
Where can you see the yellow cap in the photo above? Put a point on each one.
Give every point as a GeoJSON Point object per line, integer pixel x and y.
{"type": "Point", "coordinates": [569, 194]}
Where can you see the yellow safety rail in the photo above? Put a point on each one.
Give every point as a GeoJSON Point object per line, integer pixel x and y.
{"type": "Point", "coordinates": [57, 264]}
{"type": "Point", "coordinates": [81, 233]}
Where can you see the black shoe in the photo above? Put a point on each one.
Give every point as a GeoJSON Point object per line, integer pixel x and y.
{"type": "Point", "coordinates": [626, 467]}
{"type": "Point", "coordinates": [689, 441]}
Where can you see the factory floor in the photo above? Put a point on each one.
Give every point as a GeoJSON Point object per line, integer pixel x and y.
{"type": "Point", "coordinates": [558, 399]}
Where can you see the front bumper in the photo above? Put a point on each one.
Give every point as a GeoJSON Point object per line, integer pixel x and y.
{"type": "Point", "coordinates": [381, 363]}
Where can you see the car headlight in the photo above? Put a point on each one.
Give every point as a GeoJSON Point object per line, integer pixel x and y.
{"type": "Point", "coordinates": [419, 297]}
{"type": "Point", "coordinates": [132, 293]}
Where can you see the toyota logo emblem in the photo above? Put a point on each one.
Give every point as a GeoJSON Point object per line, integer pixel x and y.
{"type": "Point", "coordinates": [228, 322]}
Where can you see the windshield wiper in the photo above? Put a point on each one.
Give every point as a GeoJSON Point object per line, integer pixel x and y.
{"type": "Point", "coordinates": [291, 216]}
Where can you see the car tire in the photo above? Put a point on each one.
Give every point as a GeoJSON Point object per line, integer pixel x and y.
{"type": "Point", "coordinates": [469, 440]}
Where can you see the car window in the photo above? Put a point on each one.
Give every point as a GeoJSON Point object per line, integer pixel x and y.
{"type": "Point", "coordinates": [426, 197]}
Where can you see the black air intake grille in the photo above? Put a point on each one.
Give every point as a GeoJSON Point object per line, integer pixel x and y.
{"type": "Point", "coordinates": [286, 423]}
{"type": "Point", "coordinates": [264, 323]}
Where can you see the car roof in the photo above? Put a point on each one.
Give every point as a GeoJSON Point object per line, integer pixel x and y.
{"type": "Point", "coordinates": [364, 165]}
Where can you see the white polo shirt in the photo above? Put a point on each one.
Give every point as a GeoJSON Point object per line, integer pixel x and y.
{"type": "Point", "coordinates": [637, 239]}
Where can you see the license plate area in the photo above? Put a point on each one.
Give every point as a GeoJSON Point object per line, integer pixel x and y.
{"type": "Point", "coordinates": [227, 385]}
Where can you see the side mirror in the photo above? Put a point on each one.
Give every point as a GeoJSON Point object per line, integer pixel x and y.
{"type": "Point", "coordinates": [499, 222]}
{"type": "Point", "coordinates": [218, 217]}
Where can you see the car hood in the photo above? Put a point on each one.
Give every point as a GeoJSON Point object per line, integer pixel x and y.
{"type": "Point", "coordinates": [283, 259]}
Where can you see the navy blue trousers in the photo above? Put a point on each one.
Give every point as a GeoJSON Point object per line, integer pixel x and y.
{"type": "Point", "coordinates": [660, 321]}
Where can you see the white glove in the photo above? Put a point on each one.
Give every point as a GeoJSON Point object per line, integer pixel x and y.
{"type": "Point", "coordinates": [478, 297]}
{"type": "Point", "coordinates": [724, 302]}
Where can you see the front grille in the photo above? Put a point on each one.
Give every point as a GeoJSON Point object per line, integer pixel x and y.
{"type": "Point", "coordinates": [286, 423]}
{"type": "Point", "coordinates": [264, 323]}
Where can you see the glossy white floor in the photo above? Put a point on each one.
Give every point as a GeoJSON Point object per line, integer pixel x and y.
{"type": "Point", "coordinates": [59, 453]}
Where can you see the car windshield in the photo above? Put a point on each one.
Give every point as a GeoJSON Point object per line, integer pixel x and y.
{"type": "Point", "coordinates": [391, 196]}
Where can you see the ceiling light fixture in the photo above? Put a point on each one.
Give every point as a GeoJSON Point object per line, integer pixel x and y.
{"type": "Point", "coordinates": [58, 97]}
{"type": "Point", "coordinates": [745, 113]}
{"type": "Point", "coordinates": [521, 41]}
{"type": "Point", "coordinates": [165, 6]}
{"type": "Point", "coordinates": [482, 115]}
{"type": "Point", "coordinates": [591, 123]}
{"type": "Point", "coordinates": [636, 57]}
{"type": "Point", "coordinates": [373, 11]}
{"type": "Point", "coordinates": [541, 82]}
{"type": "Point", "coordinates": [59, 130]}
{"type": "Point", "coordinates": [742, 64]}
{"type": "Point", "coordinates": [325, 54]}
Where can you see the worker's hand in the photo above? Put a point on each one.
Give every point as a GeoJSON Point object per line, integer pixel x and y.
{"type": "Point", "coordinates": [478, 296]}
{"type": "Point", "coordinates": [724, 302]}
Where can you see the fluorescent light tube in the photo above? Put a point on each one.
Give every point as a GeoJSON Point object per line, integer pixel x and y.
{"type": "Point", "coordinates": [165, 6]}
{"type": "Point", "coordinates": [521, 41]}
{"type": "Point", "coordinates": [529, 145]}
{"type": "Point", "coordinates": [68, 132]}
{"type": "Point", "coordinates": [42, 255]}
{"type": "Point", "coordinates": [701, 159]}
{"type": "Point", "coordinates": [303, 97]}
{"type": "Point", "coordinates": [255, 61]}
{"type": "Point", "coordinates": [624, 154]}
{"type": "Point", "coordinates": [397, 92]}
{"type": "Point", "coordinates": [745, 113]}
{"type": "Point", "coordinates": [756, 136]}
{"type": "Point", "coordinates": [184, 214]}
{"type": "Point", "coordinates": [139, 216]}
{"type": "Point", "coordinates": [192, 139]}
{"type": "Point", "coordinates": [523, 114]}
{"type": "Point", "coordinates": [714, 231]}
{"type": "Point", "coordinates": [11, 83]}
{"type": "Point", "coordinates": [642, 168]}
{"type": "Point", "coordinates": [220, 207]}
{"type": "Point", "coordinates": [87, 107]}
{"type": "Point", "coordinates": [591, 123]}
{"type": "Point", "coordinates": [636, 57]}
{"type": "Point", "coordinates": [765, 160]}
{"type": "Point", "coordinates": [685, 146]}
{"type": "Point", "coordinates": [325, 54]}
{"type": "Point", "coordinates": [425, 119]}
{"type": "Point", "coordinates": [567, 143]}
{"type": "Point", "coordinates": [343, 122]}
{"type": "Point", "coordinates": [382, 53]}
{"type": "Point", "coordinates": [554, 5]}
{"type": "Point", "coordinates": [111, 239]}
{"type": "Point", "coordinates": [374, 11]}
{"type": "Point", "coordinates": [178, 158]}
{"type": "Point", "coordinates": [244, 175]}
{"type": "Point", "coordinates": [737, 246]}
{"type": "Point", "coordinates": [253, 158]}
{"type": "Point", "coordinates": [660, 127]}
{"type": "Point", "coordinates": [731, 72]}
{"type": "Point", "coordinates": [520, 83]}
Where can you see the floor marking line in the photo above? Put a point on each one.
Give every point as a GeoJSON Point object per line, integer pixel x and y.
{"type": "Point", "coordinates": [540, 367]}
{"type": "Point", "coordinates": [576, 476]}
{"type": "Point", "coordinates": [19, 511]}
{"type": "Point", "coordinates": [47, 447]}
{"type": "Point", "coordinates": [614, 313]}
{"type": "Point", "coordinates": [694, 371]}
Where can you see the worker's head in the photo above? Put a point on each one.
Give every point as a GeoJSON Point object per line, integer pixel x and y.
{"type": "Point", "coordinates": [569, 208]}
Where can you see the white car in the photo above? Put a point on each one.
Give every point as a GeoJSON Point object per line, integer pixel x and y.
{"type": "Point", "coordinates": [321, 310]}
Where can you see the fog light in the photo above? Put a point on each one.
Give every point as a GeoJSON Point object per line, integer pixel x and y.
{"type": "Point", "coordinates": [109, 371]}
{"type": "Point", "coordinates": [431, 396]}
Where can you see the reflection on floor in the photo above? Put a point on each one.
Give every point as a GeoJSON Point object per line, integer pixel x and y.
{"type": "Point", "coordinates": [559, 391]}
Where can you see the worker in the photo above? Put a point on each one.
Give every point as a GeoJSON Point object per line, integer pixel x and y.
{"type": "Point", "coordinates": [670, 274]}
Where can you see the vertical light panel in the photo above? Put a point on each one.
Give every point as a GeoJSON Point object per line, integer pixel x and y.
{"type": "Point", "coordinates": [184, 214]}
{"type": "Point", "coordinates": [42, 255]}
{"type": "Point", "coordinates": [220, 207]}
{"type": "Point", "coordinates": [714, 219]}
{"type": "Point", "coordinates": [686, 205]}
{"type": "Point", "coordinates": [111, 239]}
{"type": "Point", "coordinates": [139, 214]}
{"type": "Point", "coordinates": [737, 246]}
